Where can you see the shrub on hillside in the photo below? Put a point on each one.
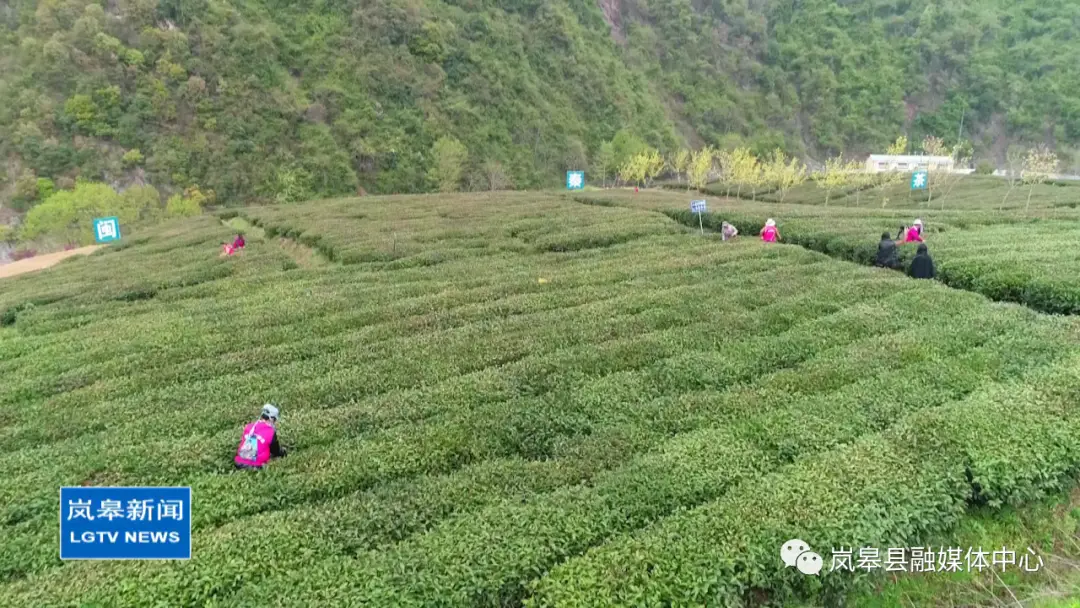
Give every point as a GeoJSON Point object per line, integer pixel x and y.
{"type": "Point", "coordinates": [187, 205]}
{"type": "Point", "coordinates": [132, 158]}
{"type": "Point", "coordinates": [67, 216]}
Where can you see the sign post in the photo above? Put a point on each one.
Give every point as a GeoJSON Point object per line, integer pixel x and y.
{"type": "Point", "coordinates": [125, 523]}
{"type": "Point", "coordinates": [575, 180]}
{"type": "Point", "coordinates": [106, 229]}
{"type": "Point", "coordinates": [919, 180]}
{"type": "Point", "coordinates": [698, 207]}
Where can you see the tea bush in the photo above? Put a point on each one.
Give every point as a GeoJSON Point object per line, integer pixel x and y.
{"type": "Point", "coordinates": [1004, 256]}
{"type": "Point", "coordinates": [842, 498]}
{"type": "Point", "coordinates": [642, 427]}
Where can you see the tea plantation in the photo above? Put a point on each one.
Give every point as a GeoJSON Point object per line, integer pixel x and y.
{"type": "Point", "coordinates": [527, 399]}
{"type": "Point", "coordinates": [1028, 258]}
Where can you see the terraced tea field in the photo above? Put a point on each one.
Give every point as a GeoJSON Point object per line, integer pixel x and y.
{"type": "Point", "coordinates": [511, 399]}
{"type": "Point", "coordinates": [957, 193]}
{"type": "Point", "coordinates": [1009, 256]}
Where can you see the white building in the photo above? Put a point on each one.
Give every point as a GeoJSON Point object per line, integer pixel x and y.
{"type": "Point", "coordinates": [879, 163]}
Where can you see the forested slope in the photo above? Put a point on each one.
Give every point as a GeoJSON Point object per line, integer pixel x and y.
{"type": "Point", "coordinates": [287, 101]}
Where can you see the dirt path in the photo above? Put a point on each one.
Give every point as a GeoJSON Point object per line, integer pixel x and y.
{"type": "Point", "coordinates": [42, 261]}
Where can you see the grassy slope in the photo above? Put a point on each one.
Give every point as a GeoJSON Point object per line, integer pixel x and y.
{"type": "Point", "coordinates": [466, 432]}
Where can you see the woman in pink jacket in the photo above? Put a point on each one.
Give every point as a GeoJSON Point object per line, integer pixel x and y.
{"type": "Point", "coordinates": [914, 234]}
{"type": "Point", "coordinates": [769, 233]}
{"type": "Point", "coordinates": [236, 245]}
{"type": "Point", "coordinates": [260, 441]}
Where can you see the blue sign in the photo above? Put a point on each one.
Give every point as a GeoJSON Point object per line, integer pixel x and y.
{"type": "Point", "coordinates": [919, 180]}
{"type": "Point", "coordinates": [125, 523]}
{"type": "Point", "coordinates": [106, 229]}
{"type": "Point", "coordinates": [575, 180]}
{"type": "Point", "coordinates": [697, 206]}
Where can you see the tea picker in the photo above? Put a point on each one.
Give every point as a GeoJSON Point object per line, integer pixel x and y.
{"type": "Point", "coordinates": [231, 248]}
{"type": "Point", "coordinates": [770, 233]}
{"type": "Point", "coordinates": [727, 231]}
{"type": "Point", "coordinates": [914, 233]}
{"type": "Point", "coordinates": [888, 256]}
{"type": "Point", "coordinates": [260, 441]}
{"type": "Point", "coordinates": [922, 266]}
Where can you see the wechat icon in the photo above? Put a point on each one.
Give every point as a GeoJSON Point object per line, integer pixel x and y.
{"type": "Point", "coordinates": [798, 554]}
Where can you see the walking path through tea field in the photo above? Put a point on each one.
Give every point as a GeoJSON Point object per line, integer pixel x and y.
{"type": "Point", "coordinates": [43, 261]}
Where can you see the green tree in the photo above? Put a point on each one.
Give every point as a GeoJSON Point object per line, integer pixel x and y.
{"type": "Point", "coordinates": [226, 98]}
{"type": "Point", "coordinates": [626, 146]}
{"type": "Point", "coordinates": [67, 216]}
{"type": "Point", "coordinates": [934, 146]}
{"type": "Point", "coordinates": [744, 170]}
{"type": "Point", "coordinates": [700, 166]}
{"type": "Point", "coordinates": [140, 204]}
{"type": "Point", "coordinates": [132, 158]}
{"type": "Point", "coordinates": [1015, 156]}
{"type": "Point", "coordinates": [178, 206]}
{"type": "Point", "coordinates": [1039, 164]}
{"type": "Point", "coordinates": [883, 180]}
{"type": "Point", "coordinates": [187, 205]}
{"type": "Point", "coordinates": [26, 192]}
{"type": "Point", "coordinates": [575, 157]}
{"type": "Point", "coordinates": [859, 179]}
{"type": "Point", "coordinates": [326, 167]}
{"type": "Point", "coordinates": [947, 180]}
{"type": "Point", "coordinates": [783, 173]}
{"type": "Point", "coordinates": [680, 162]}
{"type": "Point", "coordinates": [604, 161]}
{"type": "Point", "coordinates": [653, 165]}
{"type": "Point", "coordinates": [45, 188]}
{"type": "Point", "coordinates": [834, 177]}
{"type": "Point", "coordinates": [83, 114]}
{"type": "Point", "coordinates": [495, 175]}
{"type": "Point", "coordinates": [633, 169]}
{"type": "Point", "coordinates": [448, 156]}
{"type": "Point", "coordinates": [725, 159]}
{"type": "Point", "coordinates": [291, 185]}
{"type": "Point", "coordinates": [898, 147]}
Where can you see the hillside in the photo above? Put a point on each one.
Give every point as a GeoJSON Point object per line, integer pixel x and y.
{"type": "Point", "coordinates": [265, 99]}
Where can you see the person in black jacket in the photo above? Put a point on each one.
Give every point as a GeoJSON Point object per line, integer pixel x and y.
{"type": "Point", "coordinates": [922, 267]}
{"type": "Point", "coordinates": [887, 255]}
